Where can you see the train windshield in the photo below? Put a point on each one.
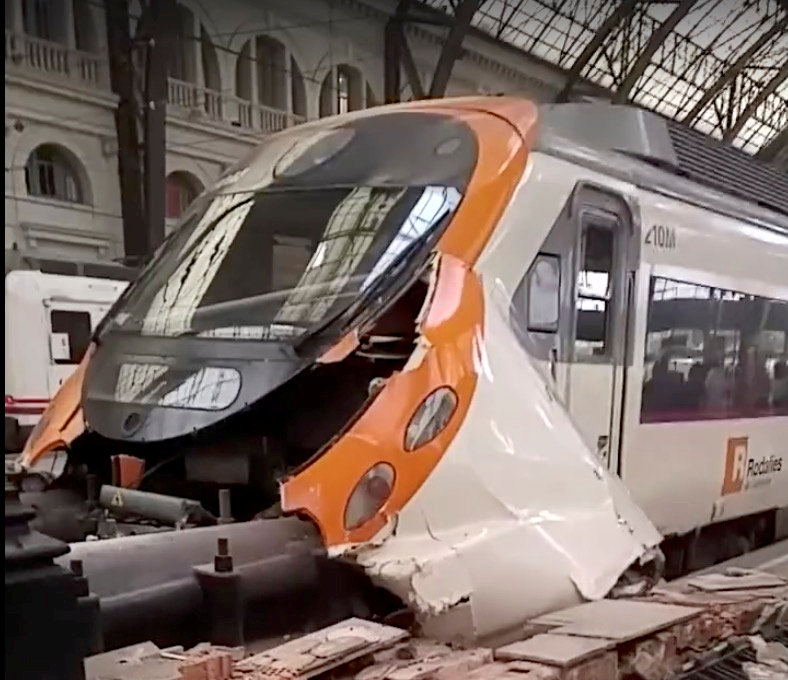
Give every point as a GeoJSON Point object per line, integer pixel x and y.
{"type": "Point", "coordinates": [283, 262]}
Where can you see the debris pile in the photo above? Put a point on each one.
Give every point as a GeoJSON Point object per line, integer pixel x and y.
{"type": "Point", "coordinates": [667, 633]}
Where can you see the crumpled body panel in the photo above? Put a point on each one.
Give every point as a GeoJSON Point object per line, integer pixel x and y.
{"type": "Point", "coordinates": [518, 517]}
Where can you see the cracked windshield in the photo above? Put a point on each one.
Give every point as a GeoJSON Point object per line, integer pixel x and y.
{"type": "Point", "coordinates": [277, 264]}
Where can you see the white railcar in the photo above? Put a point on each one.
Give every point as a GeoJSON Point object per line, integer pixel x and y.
{"type": "Point", "coordinates": [49, 320]}
{"type": "Point", "coordinates": [670, 343]}
{"type": "Point", "coordinates": [443, 330]}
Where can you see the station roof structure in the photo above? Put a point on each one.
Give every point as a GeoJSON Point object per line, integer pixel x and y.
{"type": "Point", "coordinates": [720, 67]}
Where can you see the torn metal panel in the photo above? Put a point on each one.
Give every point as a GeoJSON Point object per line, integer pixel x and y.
{"type": "Point", "coordinates": [518, 517]}
{"type": "Point", "coordinates": [347, 344]}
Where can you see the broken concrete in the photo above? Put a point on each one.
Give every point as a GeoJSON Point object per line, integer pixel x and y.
{"type": "Point", "coordinates": [674, 628]}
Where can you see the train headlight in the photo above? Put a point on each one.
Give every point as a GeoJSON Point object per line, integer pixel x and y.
{"type": "Point", "coordinates": [372, 491]}
{"type": "Point", "coordinates": [430, 418]}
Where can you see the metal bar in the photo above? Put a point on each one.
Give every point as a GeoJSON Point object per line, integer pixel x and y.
{"type": "Point", "coordinates": [644, 59]}
{"type": "Point", "coordinates": [452, 47]}
{"type": "Point", "coordinates": [621, 12]}
{"type": "Point", "coordinates": [119, 565]}
{"type": "Point", "coordinates": [735, 69]}
{"type": "Point", "coordinates": [761, 97]}
{"type": "Point", "coordinates": [169, 509]}
{"type": "Point", "coordinates": [410, 69]}
{"type": "Point", "coordinates": [392, 50]}
{"type": "Point", "coordinates": [164, 17]}
{"type": "Point", "coordinates": [121, 70]}
{"type": "Point", "coordinates": [504, 23]}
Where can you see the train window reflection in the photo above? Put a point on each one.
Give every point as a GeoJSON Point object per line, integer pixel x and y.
{"type": "Point", "coordinates": [594, 291]}
{"type": "Point", "coordinates": [209, 388]}
{"type": "Point", "coordinates": [713, 353]}
{"type": "Point", "coordinates": [275, 264]}
{"type": "Point", "coordinates": [544, 282]}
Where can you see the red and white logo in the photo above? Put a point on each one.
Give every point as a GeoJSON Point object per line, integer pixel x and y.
{"type": "Point", "coordinates": [735, 465]}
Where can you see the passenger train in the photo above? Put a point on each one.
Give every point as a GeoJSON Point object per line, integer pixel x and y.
{"type": "Point", "coordinates": [49, 319]}
{"type": "Point", "coordinates": [496, 352]}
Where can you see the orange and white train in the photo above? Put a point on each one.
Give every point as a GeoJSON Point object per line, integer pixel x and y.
{"type": "Point", "coordinates": [495, 352]}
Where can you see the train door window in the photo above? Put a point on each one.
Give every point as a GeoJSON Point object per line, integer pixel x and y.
{"type": "Point", "coordinates": [70, 335]}
{"type": "Point", "coordinates": [594, 289]}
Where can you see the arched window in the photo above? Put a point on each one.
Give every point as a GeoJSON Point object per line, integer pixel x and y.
{"type": "Point", "coordinates": [46, 19]}
{"type": "Point", "coordinates": [298, 89]}
{"type": "Point", "coordinates": [50, 172]}
{"type": "Point", "coordinates": [181, 189]}
{"type": "Point", "coordinates": [192, 52]}
{"type": "Point", "coordinates": [261, 69]}
{"type": "Point", "coordinates": [85, 35]}
{"type": "Point", "coordinates": [210, 62]}
{"type": "Point", "coordinates": [343, 90]}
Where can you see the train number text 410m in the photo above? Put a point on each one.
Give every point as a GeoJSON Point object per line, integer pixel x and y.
{"type": "Point", "coordinates": [661, 236]}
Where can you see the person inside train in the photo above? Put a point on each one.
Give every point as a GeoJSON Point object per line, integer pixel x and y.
{"type": "Point", "coordinates": [780, 386]}
{"type": "Point", "coordinates": [716, 385]}
{"type": "Point", "coordinates": [751, 380]}
{"type": "Point", "coordinates": [662, 392]}
{"type": "Point", "coordinates": [695, 386]}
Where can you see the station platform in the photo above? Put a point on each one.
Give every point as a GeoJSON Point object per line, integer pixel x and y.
{"type": "Point", "coordinates": [772, 559]}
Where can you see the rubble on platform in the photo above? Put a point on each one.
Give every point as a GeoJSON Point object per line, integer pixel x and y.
{"type": "Point", "coordinates": [658, 635]}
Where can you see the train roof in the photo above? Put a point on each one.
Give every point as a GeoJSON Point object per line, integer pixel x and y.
{"type": "Point", "coordinates": [663, 156]}
{"type": "Point", "coordinates": [15, 261]}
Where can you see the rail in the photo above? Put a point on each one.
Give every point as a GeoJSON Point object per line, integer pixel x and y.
{"type": "Point", "coordinates": [202, 102]}
{"type": "Point", "coordinates": [52, 59]}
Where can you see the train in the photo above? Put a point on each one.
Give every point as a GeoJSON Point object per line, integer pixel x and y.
{"type": "Point", "coordinates": [502, 356]}
{"type": "Point", "coordinates": [50, 317]}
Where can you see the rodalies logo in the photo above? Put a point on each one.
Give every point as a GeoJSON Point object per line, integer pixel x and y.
{"type": "Point", "coordinates": [742, 472]}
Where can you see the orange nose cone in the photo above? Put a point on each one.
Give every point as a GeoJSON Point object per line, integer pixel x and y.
{"type": "Point", "coordinates": [62, 421]}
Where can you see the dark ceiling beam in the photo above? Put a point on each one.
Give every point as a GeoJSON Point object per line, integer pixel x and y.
{"type": "Point", "coordinates": [752, 107]}
{"type": "Point", "coordinates": [503, 24]}
{"type": "Point", "coordinates": [397, 55]}
{"type": "Point", "coordinates": [393, 37]}
{"type": "Point", "coordinates": [411, 71]}
{"type": "Point", "coordinates": [773, 149]}
{"type": "Point", "coordinates": [654, 42]}
{"type": "Point", "coordinates": [452, 46]}
{"type": "Point", "coordinates": [734, 70]}
{"type": "Point", "coordinates": [622, 11]}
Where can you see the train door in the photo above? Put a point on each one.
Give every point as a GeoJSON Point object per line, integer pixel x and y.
{"type": "Point", "coordinates": [571, 312]}
{"type": "Point", "coordinates": [593, 379]}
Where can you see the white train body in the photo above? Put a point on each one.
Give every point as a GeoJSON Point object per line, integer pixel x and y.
{"type": "Point", "coordinates": [509, 490]}
{"type": "Point", "coordinates": [49, 319]}
{"type": "Point", "coordinates": [686, 470]}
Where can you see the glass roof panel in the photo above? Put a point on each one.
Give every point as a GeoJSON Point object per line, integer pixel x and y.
{"type": "Point", "coordinates": [737, 51]}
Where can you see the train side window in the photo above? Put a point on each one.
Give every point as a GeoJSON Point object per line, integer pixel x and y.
{"type": "Point", "coordinates": [70, 335]}
{"type": "Point", "coordinates": [713, 353]}
{"type": "Point", "coordinates": [544, 288]}
{"type": "Point", "coordinates": [594, 290]}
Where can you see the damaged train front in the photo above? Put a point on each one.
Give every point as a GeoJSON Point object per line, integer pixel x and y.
{"type": "Point", "coordinates": [262, 327]}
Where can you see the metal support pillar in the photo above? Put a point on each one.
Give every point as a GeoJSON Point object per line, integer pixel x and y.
{"type": "Point", "coordinates": [452, 47]}
{"type": "Point", "coordinates": [392, 56]}
{"type": "Point", "coordinates": [163, 25]}
{"type": "Point", "coordinates": [135, 243]}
